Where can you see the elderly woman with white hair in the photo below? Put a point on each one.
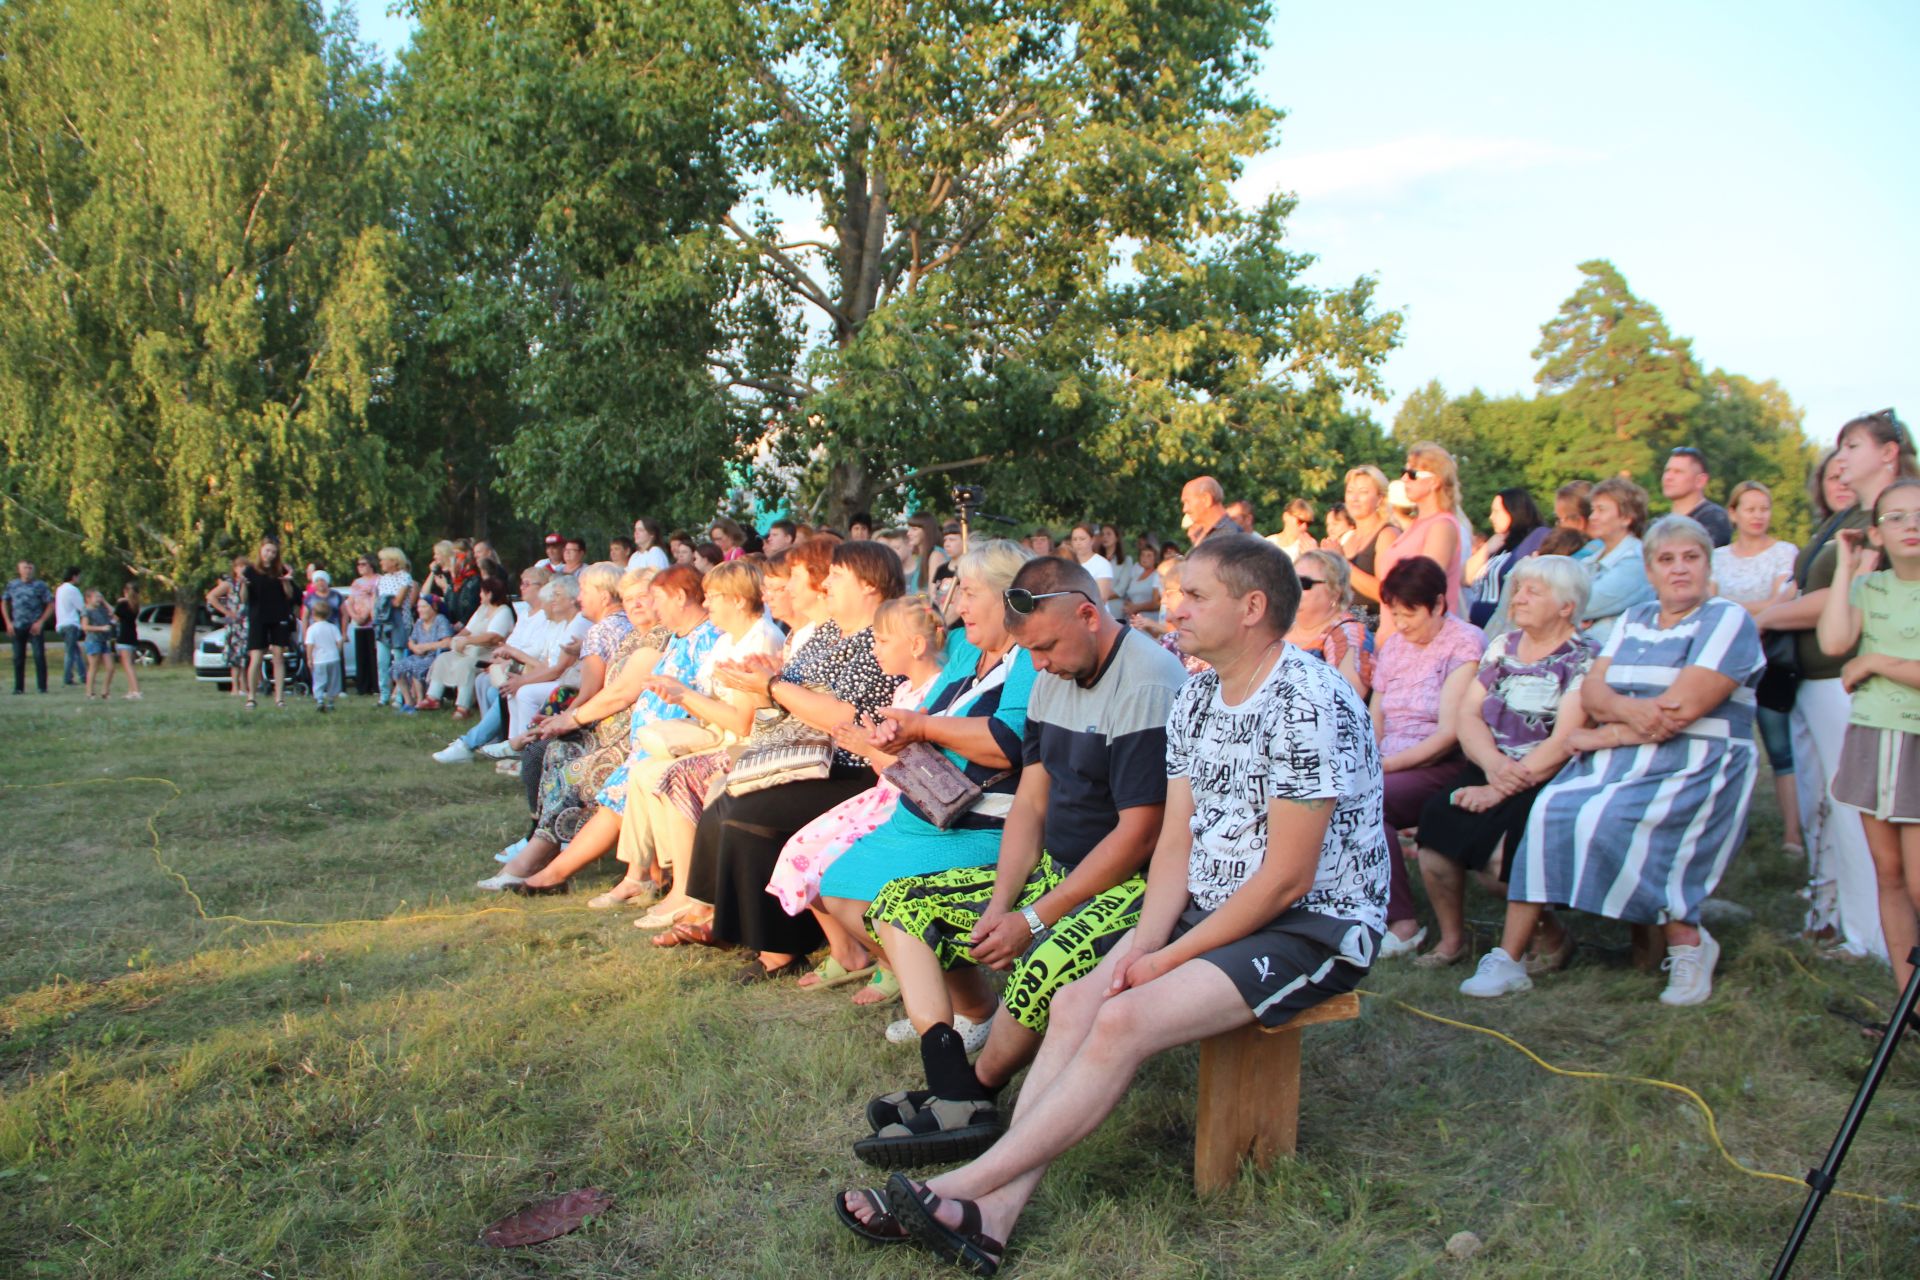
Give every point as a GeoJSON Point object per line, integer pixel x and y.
{"type": "Point", "coordinates": [527, 692]}
{"type": "Point", "coordinates": [1641, 824]}
{"type": "Point", "coordinates": [1516, 723]}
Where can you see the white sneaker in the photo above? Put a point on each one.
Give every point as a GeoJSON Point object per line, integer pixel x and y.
{"type": "Point", "coordinates": [455, 752]}
{"type": "Point", "coordinates": [1394, 948]}
{"type": "Point", "coordinates": [972, 1034]}
{"type": "Point", "coordinates": [1499, 974]}
{"type": "Point", "coordinates": [500, 883]}
{"type": "Point", "coordinates": [1690, 972]}
{"type": "Point", "coordinates": [501, 750]}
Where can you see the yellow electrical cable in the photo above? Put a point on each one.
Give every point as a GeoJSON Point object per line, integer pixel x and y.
{"type": "Point", "coordinates": [1713, 1125]}
{"type": "Point", "coordinates": [199, 907]}
{"type": "Point", "coordinates": [1822, 982]}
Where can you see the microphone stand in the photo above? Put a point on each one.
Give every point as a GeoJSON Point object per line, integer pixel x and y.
{"type": "Point", "coordinates": [1821, 1180]}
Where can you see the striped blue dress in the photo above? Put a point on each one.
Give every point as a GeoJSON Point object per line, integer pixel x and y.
{"type": "Point", "coordinates": [1643, 833]}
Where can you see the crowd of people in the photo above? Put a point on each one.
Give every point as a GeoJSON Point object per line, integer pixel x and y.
{"type": "Point", "coordinates": [1163, 788]}
{"type": "Point", "coordinates": [97, 637]}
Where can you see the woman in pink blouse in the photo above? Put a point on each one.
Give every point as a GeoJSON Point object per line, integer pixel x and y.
{"type": "Point", "coordinates": [1433, 486]}
{"type": "Point", "coordinates": [1418, 679]}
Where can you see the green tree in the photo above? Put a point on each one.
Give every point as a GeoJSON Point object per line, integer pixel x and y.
{"type": "Point", "coordinates": [1611, 360]}
{"type": "Point", "coordinates": [564, 189]}
{"type": "Point", "coordinates": [1494, 440]}
{"type": "Point", "coordinates": [200, 283]}
{"type": "Point", "coordinates": [1008, 252]}
{"type": "Point", "coordinates": [1752, 431]}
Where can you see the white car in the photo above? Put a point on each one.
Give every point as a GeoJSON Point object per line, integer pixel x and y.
{"type": "Point", "coordinates": [154, 625]}
{"type": "Point", "coordinates": [210, 658]}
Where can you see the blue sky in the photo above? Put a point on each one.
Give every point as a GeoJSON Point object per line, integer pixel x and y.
{"type": "Point", "coordinates": [1744, 166]}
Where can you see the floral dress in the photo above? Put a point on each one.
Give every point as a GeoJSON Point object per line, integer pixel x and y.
{"type": "Point", "coordinates": [237, 622]}
{"type": "Point", "coordinates": [577, 766]}
{"type": "Point", "coordinates": [809, 852]}
{"type": "Point", "coordinates": [414, 666]}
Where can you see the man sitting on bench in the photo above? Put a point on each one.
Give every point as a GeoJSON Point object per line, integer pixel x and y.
{"type": "Point", "coordinates": [1069, 881]}
{"type": "Point", "coordinates": [1266, 895]}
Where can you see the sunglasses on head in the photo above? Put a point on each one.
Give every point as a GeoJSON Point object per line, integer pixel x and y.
{"type": "Point", "coordinates": [1025, 602]}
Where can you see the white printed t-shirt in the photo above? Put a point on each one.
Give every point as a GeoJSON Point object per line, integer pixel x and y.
{"type": "Point", "coordinates": [1303, 735]}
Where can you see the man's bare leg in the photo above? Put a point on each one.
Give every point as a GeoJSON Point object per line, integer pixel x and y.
{"type": "Point", "coordinates": [1192, 1003]}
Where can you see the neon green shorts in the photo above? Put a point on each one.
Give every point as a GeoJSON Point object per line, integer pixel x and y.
{"type": "Point", "coordinates": [941, 910]}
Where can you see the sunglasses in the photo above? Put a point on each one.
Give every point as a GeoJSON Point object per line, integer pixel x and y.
{"type": "Point", "coordinates": [1025, 602]}
{"type": "Point", "coordinates": [1414, 473]}
{"type": "Point", "coordinates": [1308, 584]}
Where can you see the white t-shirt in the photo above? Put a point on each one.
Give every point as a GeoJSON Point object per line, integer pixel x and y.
{"type": "Point", "coordinates": [652, 558]}
{"type": "Point", "coordinates": [1304, 735]}
{"type": "Point", "coordinates": [531, 633]}
{"type": "Point", "coordinates": [323, 640]}
{"type": "Point", "coordinates": [67, 604]}
{"type": "Point", "coordinates": [1749, 579]}
{"type": "Point", "coordinates": [497, 621]}
{"type": "Point", "coordinates": [763, 637]}
{"type": "Point", "coordinates": [570, 636]}
{"type": "Point", "coordinates": [1099, 567]}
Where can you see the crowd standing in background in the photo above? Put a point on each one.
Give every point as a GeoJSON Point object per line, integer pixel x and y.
{"type": "Point", "coordinates": [922, 760]}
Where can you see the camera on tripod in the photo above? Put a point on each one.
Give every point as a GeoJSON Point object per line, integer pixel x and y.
{"type": "Point", "coordinates": [969, 495]}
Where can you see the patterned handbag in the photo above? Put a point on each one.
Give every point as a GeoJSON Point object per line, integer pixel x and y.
{"type": "Point", "coordinates": [936, 789]}
{"type": "Point", "coordinates": [783, 749]}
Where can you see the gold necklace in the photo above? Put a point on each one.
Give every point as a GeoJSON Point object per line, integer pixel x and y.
{"type": "Point", "coordinates": [1256, 666]}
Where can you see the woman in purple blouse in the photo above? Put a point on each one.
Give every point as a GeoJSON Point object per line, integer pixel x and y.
{"type": "Point", "coordinates": [1515, 724]}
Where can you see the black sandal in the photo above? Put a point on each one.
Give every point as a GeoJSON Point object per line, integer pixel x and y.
{"type": "Point", "coordinates": [896, 1108]}
{"type": "Point", "coordinates": [943, 1131]}
{"type": "Point", "coordinates": [964, 1246]}
{"type": "Point", "coordinates": [881, 1228]}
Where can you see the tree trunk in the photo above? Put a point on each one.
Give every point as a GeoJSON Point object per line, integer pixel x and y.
{"type": "Point", "coordinates": [186, 608]}
{"type": "Point", "coordinates": [849, 489]}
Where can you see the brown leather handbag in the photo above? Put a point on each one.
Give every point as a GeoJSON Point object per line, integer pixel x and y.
{"type": "Point", "coordinates": [938, 790]}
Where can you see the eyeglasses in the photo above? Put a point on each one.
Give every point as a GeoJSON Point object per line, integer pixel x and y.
{"type": "Point", "coordinates": [1024, 602]}
{"type": "Point", "coordinates": [1887, 519]}
{"type": "Point", "coordinates": [1414, 473]}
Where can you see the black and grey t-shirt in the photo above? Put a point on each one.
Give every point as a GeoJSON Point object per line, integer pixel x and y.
{"type": "Point", "coordinates": [1104, 747]}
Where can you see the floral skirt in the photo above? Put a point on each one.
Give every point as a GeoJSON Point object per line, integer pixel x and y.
{"type": "Point", "coordinates": [690, 781]}
{"type": "Point", "coordinates": [237, 641]}
{"type": "Point", "coordinates": [574, 772]}
{"type": "Point", "coordinates": [807, 854]}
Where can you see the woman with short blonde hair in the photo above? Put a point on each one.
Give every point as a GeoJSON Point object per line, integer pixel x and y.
{"type": "Point", "coordinates": [1371, 537]}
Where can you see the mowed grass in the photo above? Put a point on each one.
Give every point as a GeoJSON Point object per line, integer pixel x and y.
{"type": "Point", "coordinates": [188, 1098]}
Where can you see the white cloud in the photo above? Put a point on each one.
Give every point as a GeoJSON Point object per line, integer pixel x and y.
{"type": "Point", "coordinates": [1390, 168]}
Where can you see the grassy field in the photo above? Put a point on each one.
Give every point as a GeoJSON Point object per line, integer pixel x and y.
{"type": "Point", "coordinates": [195, 1098]}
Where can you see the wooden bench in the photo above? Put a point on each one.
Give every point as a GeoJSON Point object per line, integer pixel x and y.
{"type": "Point", "coordinates": [1250, 1094]}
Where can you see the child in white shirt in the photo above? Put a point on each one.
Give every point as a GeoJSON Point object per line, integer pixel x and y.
{"type": "Point", "coordinates": [323, 654]}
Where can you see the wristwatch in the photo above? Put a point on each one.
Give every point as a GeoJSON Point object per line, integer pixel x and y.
{"type": "Point", "coordinates": [1032, 917]}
